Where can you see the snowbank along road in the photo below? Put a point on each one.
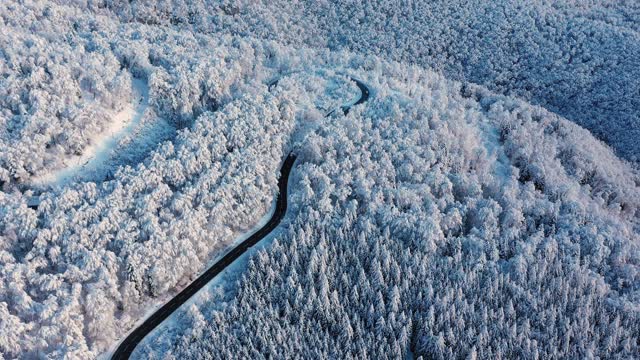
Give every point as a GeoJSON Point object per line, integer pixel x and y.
{"type": "Point", "coordinates": [125, 349]}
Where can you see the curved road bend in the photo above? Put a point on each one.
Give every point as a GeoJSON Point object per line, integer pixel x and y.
{"type": "Point", "coordinates": [364, 95]}
{"type": "Point", "coordinates": [129, 344]}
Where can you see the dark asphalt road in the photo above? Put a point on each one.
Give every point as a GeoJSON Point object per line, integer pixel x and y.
{"type": "Point", "coordinates": [364, 95]}
{"type": "Point", "coordinates": [129, 344]}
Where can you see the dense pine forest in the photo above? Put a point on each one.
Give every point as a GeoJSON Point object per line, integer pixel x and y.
{"type": "Point", "coordinates": [482, 203]}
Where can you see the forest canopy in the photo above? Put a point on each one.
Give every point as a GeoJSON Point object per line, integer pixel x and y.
{"type": "Point", "coordinates": [483, 203]}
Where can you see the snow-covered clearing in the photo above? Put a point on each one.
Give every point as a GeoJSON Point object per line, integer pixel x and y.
{"type": "Point", "coordinates": [102, 145]}
{"type": "Point", "coordinates": [432, 221]}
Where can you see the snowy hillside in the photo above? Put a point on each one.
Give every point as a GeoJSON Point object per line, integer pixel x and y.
{"type": "Point", "coordinates": [449, 222]}
{"type": "Point", "coordinates": [578, 58]}
{"type": "Point", "coordinates": [465, 209]}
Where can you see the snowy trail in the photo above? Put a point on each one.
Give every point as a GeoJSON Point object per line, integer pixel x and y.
{"type": "Point", "coordinates": [101, 146]}
{"type": "Point", "coordinates": [128, 345]}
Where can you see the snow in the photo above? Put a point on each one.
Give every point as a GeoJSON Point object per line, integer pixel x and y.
{"type": "Point", "coordinates": [103, 144]}
{"type": "Point", "coordinates": [334, 91]}
{"type": "Point", "coordinates": [94, 244]}
{"type": "Point", "coordinates": [221, 280]}
{"type": "Point", "coordinates": [224, 280]}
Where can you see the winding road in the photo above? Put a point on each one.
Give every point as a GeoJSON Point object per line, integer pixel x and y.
{"type": "Point", "coordinates": [128, 345]}
{"type": "Point", "coordinates": [364, 95]}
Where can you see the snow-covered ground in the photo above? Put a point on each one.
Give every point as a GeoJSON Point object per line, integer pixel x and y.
{"type": "Point", "coordinates": [442, 219]}
{"type": "Point", "coordinates": [101, 146]}
{"type": "Point", "coordinates": [223, 280]}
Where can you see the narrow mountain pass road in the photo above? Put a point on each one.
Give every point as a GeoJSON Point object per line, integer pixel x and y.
{"type": "Point", "coordinates": [128, 345]}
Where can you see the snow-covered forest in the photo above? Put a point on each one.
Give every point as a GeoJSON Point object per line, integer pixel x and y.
{"type": "Point", "coordinates": [483, 203]}
{"type": "Point", "coordinates": [578, 58]}
{"type": "Point", "coordinates": [437, 225]}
